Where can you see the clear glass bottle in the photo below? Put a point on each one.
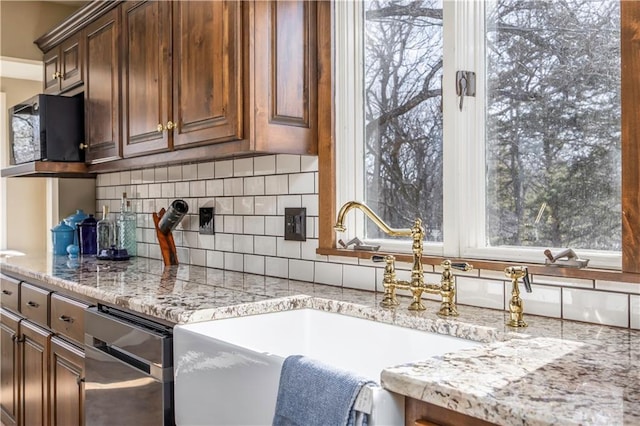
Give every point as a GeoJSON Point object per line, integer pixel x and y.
{"type": "Point", "coordinates": [126, 227]}
{"type": "Point", "coordinates": [106, 234]}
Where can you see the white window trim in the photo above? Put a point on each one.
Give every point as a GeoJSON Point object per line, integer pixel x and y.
{"type": "Point", "coordinates": [463, 139]}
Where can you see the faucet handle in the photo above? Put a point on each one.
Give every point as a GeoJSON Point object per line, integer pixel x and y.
{"type": "Point", "coordinates": [462, 266]}
{"type": "Point", "coordinates": [526, 281]}
{"type": "Point", "coordinates": [378, 258]}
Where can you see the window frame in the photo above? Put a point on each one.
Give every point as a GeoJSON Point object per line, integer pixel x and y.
{"type": "Point", "coordinates": [328, 136]}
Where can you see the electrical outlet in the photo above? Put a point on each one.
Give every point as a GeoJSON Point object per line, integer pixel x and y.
{"type": "Point", "coordinates": [295, 224]}
{"type": "Point", "coordinates": [206, 222]}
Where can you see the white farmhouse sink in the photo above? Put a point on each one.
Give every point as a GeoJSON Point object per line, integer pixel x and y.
{"type": "Point", "coordinates": [227, 371]}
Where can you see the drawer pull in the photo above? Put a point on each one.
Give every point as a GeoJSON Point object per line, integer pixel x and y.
{"type": "Point", "coordinates": [32, 304]}
{"type": "Point", "coordinates": [66, 318]}
{"type": "Point", "coordinates": [7, 292]}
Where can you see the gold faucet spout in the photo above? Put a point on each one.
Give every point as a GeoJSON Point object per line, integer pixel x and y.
{"type": "Point", "coordinates": [339, 226]}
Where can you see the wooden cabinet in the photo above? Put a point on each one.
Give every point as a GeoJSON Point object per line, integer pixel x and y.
{"type": "Point", "coordinates": [102, 88]}
{"type": "Point", "coordinates": [67, 318]}
{"type": "Point", "coordinates": [10, 289]}
{"type": "Point", "coordinates": [67, 384]}
{"type": "Point", "coordinates": [283, 76]}
{"type": "Point", "coordinates": [34, 383]}
{"type": "Point", "coordinates": [421, 413]}
{"type": "Point", "coordinates": [9, 368]}
{"type": "Point", "coordinates": [63, 66]}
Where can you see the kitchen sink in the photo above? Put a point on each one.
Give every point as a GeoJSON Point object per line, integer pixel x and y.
{"type": "Point", "coordinates": [227, 371]}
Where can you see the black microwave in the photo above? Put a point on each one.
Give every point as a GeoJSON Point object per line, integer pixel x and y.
{"type": "Point", "coordinates": [47, 128]}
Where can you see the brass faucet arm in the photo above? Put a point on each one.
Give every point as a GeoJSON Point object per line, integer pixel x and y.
{"type": "Point", "coordinates": [339, 226]}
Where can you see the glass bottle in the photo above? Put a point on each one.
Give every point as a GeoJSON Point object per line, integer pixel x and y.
{"type": "Point", "coordinates": [106, 235]}
{"type": "Point", "coordinates": [126, 227]}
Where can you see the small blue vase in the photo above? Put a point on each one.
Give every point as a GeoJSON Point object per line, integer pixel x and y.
{"type": "Point", "coordinates": [62, 235]}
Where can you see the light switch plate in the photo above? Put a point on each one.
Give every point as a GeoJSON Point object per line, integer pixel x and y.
{"type": "Point", "coordinates": [206, 221]}
{"type": "Point", "coordinates": [295, 224]}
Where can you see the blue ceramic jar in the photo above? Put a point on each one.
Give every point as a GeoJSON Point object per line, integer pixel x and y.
{"type": "Point", "coordinates": [62, 235]}
{"type": "Point", "coordinates": [88, 237]}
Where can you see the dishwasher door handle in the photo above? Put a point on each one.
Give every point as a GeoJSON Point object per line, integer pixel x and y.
{"type": "Point", "coordinates": [143, 366]}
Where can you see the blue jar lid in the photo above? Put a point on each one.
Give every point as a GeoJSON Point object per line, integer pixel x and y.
{"type": "Point", "coordinates": [62, 227]}
{"type": "Point", "coordinates": [74, 219]}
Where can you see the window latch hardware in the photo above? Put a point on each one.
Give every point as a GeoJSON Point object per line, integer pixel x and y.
{"type": "Point", "coordinates": [465, 85]}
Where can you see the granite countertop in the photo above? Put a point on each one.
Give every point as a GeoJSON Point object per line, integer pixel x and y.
{"type": "Point", "coordinates": [555, 372]}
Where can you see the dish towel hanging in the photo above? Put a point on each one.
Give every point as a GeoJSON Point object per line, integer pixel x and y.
{"type": "Point", "coordinates": [311, 393]}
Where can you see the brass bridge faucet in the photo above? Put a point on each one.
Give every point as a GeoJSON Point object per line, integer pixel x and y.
{"type": "Point", "coordinates": [516, 308]}
{"type": "Point", "coordinates": [446, 289]}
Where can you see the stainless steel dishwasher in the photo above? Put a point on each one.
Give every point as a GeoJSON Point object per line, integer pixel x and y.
{"type": "Point", "coordinates": [128, 369]}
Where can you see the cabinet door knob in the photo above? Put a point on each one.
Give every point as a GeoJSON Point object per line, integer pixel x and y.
{"type": "Point", "coordinates": [171, 125]}
{"type": "Point", "coordinates": [7, 292]}
{"type": "Point", "coordinates": [84, 146]}
{"type": "Point", "coordinates": [160, 128]}
{"type": "Point", "coordinates": [54, 75]}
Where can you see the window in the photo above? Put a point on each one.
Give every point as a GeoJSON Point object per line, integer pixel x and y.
{"type": "Point", "coordinates": [532, 161]}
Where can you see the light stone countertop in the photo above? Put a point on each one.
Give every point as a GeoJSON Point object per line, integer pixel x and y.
{"type": "Point", "coordinates": [555, 372]}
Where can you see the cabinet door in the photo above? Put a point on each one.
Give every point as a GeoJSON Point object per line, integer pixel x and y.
{"type": "Point", "coordinates": [67, 384]}
{"type": "Point", "coordinates": [34, 359]}
{"type": "Point", "coordinates": [285, 77]}
{"type": "Point", "coordinates": [146, 77]}
{"type": "Point", "coordinates": [207, 72]}
{"type": "Point", "coordinates": [51, 69]}
{"type": "Point", "coordinates": [71, 55]}
{"type": "Point", "coordinates": [9, 368]}
{"type": "Point", "coordinates": [102, 89]}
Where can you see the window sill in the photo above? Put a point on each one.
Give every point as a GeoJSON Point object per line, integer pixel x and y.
{"type": "Point", "coordinates": [535, 269]}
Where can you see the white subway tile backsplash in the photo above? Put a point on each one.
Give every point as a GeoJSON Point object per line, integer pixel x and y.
{"type": "Point", "coordinates": [359, 277]}
{"type": "Point", "coordinates": [254, 225]}
{"type": "Point", "coordinates": [635, 312]}
{"type": "Point", "coordinates": [154, 251]}
{"type": "Point", "coordinates": [274, 225]}
{"type": "Point", "coordinates": [494, 275]}
{"type": "Point", "coordinates": [254, 264]}
{"type": "Point", "coordinates": [328, 273]}
{"type": "Point", "coordinates": [480, 292]}
{"type": "Point", "coordinates": [197, 188]}
{"type": "Point", "coordinates": [290, 249]}
{"type": "Point", "coordinates": [143, 249]}
{"type": "Point", "coordinates": [125, 178]}
{"type": "Point", "coordinates": [243, 167]}
{"type": "Point", "coordinates": [184, 255]}
{"type": "Point", "coordinates": [206, 171]}
{"type": "Point", "coordinates": [311, 203]}
{"type": "Point", "coordinates": [155, 190]}
{"type": "Point", "coordinates": [301, 270]}
{"type": "Point", "coordinates": [149, 235]}
{"type": "Point", "coordinates": [264, 165]}
{"type": "Point", "coordinates": [232, 224]}
{"type": "Point", "coordinates": [276, 184]}
{"type": "Point", "coordinates": [233, 186]}
{"type": "Point", "coordinates": [198, 257]}
{"type": "Point", "coordinates": [148, 176]}
{"type": "Point", "coordinates": [285, 201]}
{"type": "Point", "coordinates": [243, 243]}
{"type": "Point", "coordinates": [562, 281]}
{"type": "Point", "coordinates": [254, 185]}
{"type": "Point", "coordinates": [265, 205]}
{"type": "Point", "coordinates": [148, 205]}
{"type": "Point", "coordinates": [595, 306]}
{"type": "Point", "coordinates": [224, 169]}
{"type": "Point", "coordinates": [207, 241]}
{"type": "Point", "coordinates": [309, 163]}
{"type": "Point", "coordinates": [182, 189]}
{"type": "Point", "coordinates": [301, 183]}
{"type": "Point", "coordinates": [543, 300]}
{"type": "Point", "coordinates": [618, 286]}
{"type": "Point", "coordinates": [136, 177]}
{"type": "Point", "coordinates": [265, 245]}
{"type": "Point", "coordinates": [286, 163]}
{"type": "Point", "coordinates": [190, 172]}
{"type": "Point", "coordinates": [224, 205]}
{"type": "Point", "coordinates": [277, 267]}
{"type": "Point", "coordinates": [190, 239]}
{"type": "Point", "coordinates": [168, 190]}
{"type": "Point", "coordinates": [243, 205]}
{"type": "Point", "coordinates": [309, 250]}
{"type": "Point", "coordinates": [174, 173]}
{"type": "Point", "coordinates": [161, 174]}
{"type": "Point", "coordinates": [224, 242]}
{"type": "Point", "coordinates": [110, 192]}
{"type": "Point", "coordinates": [234, 262]}
{"type": "Point", "coordinates": [215, 259]}
{"type": "Point", "coordinates": [214, 188]}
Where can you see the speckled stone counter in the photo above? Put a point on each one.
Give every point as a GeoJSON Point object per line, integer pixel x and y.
{"type": "Point", "coordinates": [552, 373]}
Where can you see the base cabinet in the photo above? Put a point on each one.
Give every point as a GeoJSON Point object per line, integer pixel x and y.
{"type": "Point", "coordinates": [34, 383]}
{"type": "Point", "coordinates": [9, 368]}
{"type": "Point", "coordinates": [67, 384]}
{"type": "Point", "coordinates": [421, 413]}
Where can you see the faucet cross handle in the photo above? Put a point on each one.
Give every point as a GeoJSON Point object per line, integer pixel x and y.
{"type": "Point", "coordinates": [462, 266]}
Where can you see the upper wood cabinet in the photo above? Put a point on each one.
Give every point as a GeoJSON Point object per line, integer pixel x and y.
{"type": "Point", "coordinates": [63, 67]}
{"type": "Point", "coordinates": [283, 76]}
{"type": "Point", "coordinates": [102, 89]}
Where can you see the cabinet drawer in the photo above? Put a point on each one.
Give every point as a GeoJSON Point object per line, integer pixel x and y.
{"type": "Point", "coordinates": [34, 303]}
{"type": "Point", "coordinates": [10, 293]}
{"type": "Point", "coordinates": [67, 317]}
